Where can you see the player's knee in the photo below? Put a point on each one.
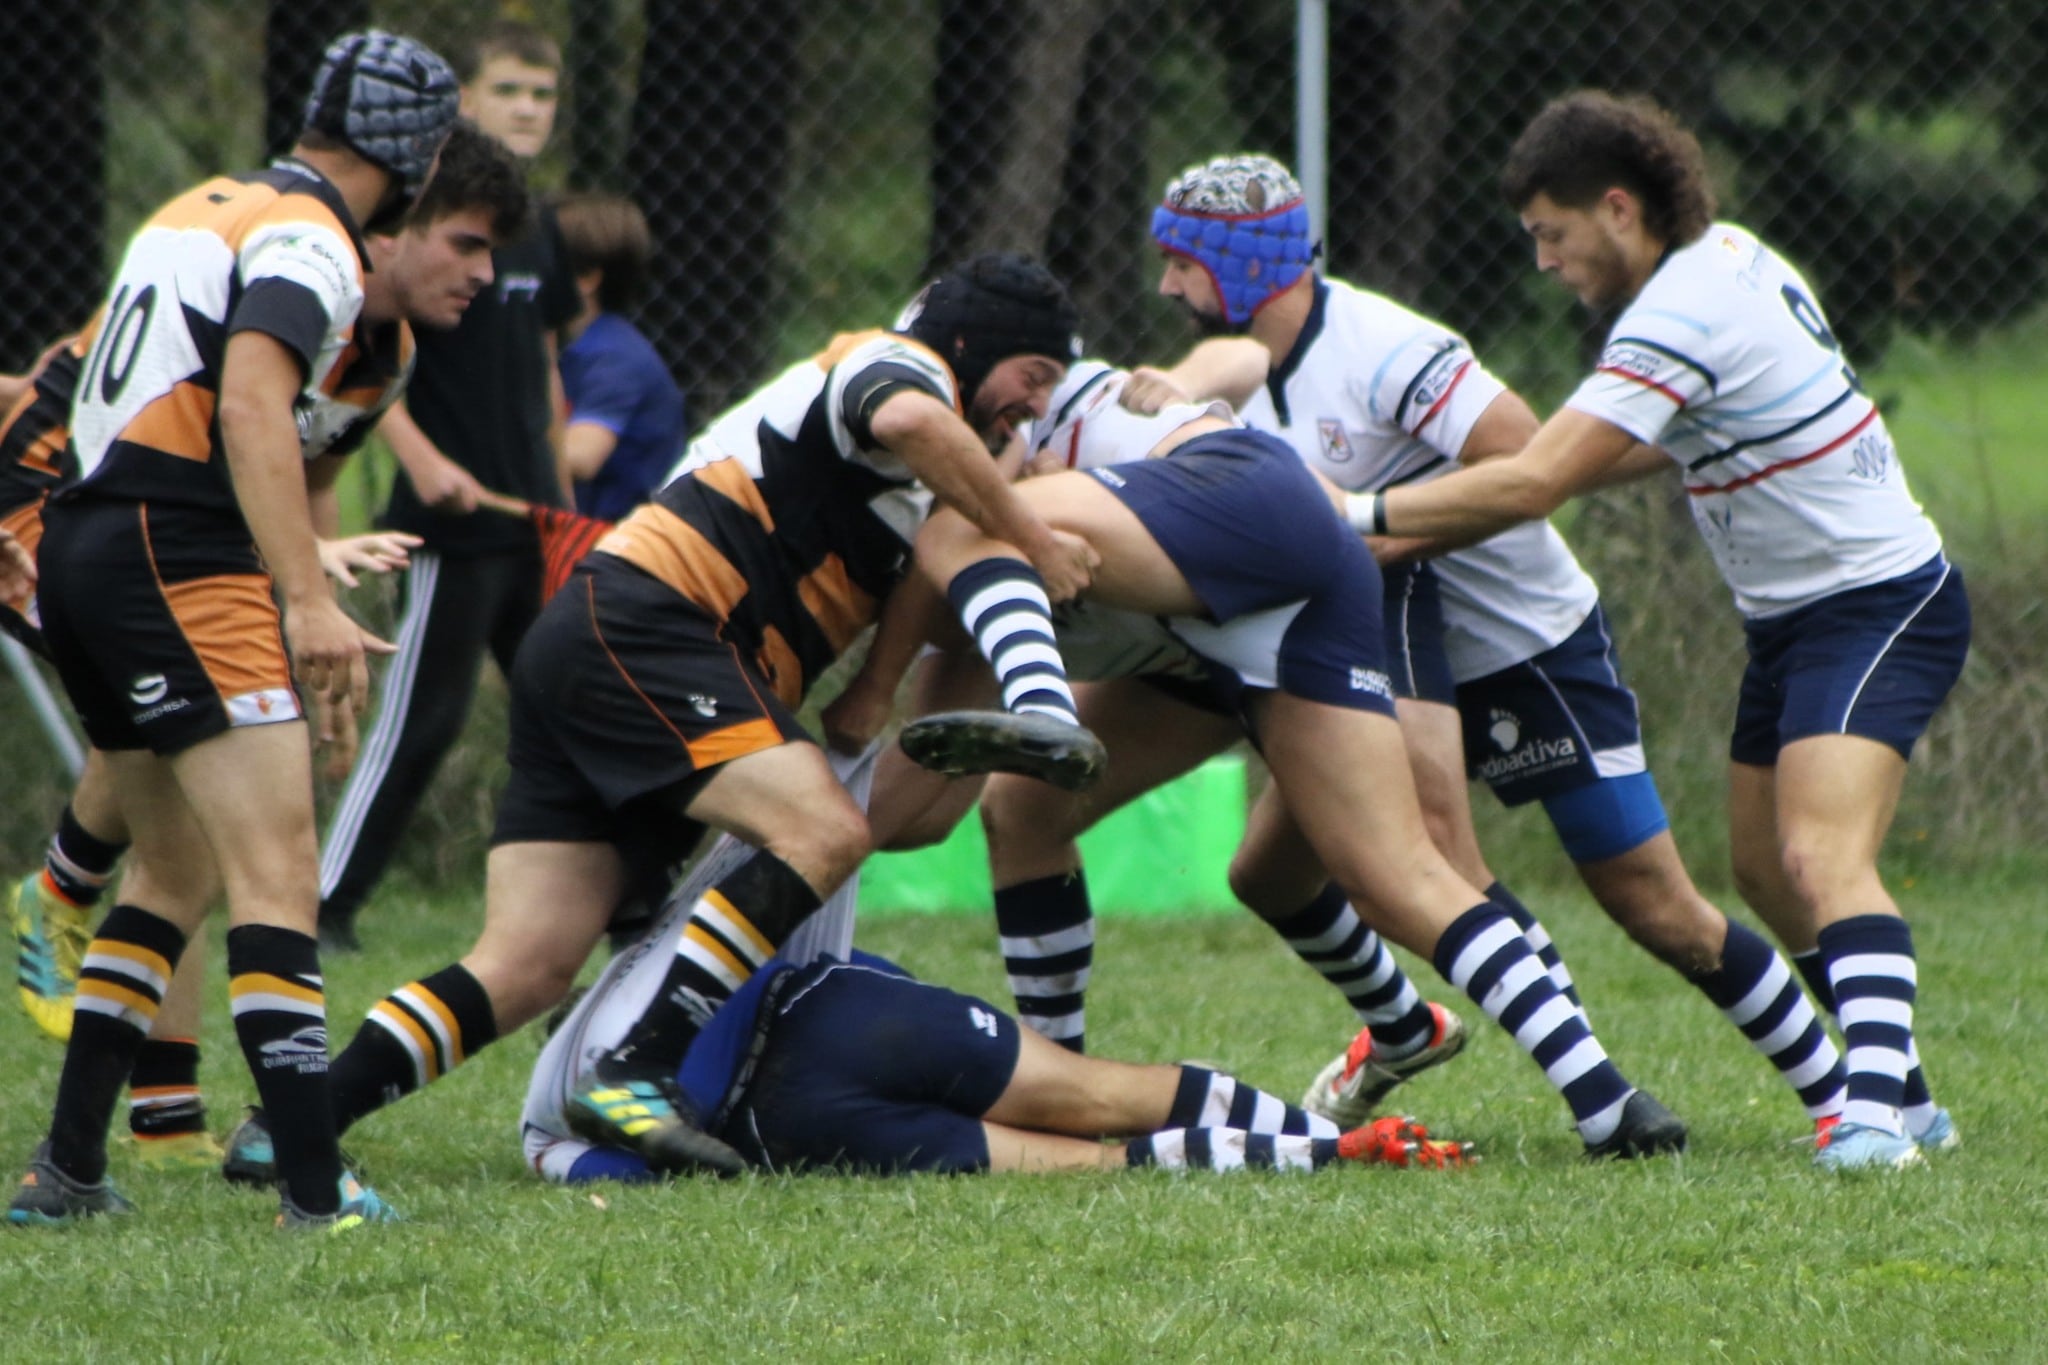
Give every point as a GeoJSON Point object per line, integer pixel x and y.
{"type": "Point", "coordinates": [829, 847]}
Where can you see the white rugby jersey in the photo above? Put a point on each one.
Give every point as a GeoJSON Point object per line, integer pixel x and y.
{"type": "Point", "coordinates": [1726, 361]}
{"type": "Point", "coordinates": [1375, 395]}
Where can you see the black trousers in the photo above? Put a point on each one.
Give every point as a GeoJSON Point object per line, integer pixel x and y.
{"type": "Point", "coordinates": [455, 609]}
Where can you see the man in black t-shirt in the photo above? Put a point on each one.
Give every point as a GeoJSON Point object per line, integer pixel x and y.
{"type": "Point", "coordinates": [482, 413]}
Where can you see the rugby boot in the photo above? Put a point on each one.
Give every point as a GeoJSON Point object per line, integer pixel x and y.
{"type": "Point", "coordinates": [963, 743]}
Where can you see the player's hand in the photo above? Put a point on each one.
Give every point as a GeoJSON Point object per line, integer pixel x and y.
{"type": "Point", "coordinates": [377, 552]}
{"type": "Point", "coordinates": [445, 485]}
{"type": "Point", "coordinates": [335, 739]}
{"type": "Point", "coordinates": [1067, 563]}
{"type": "Point", "coordinates": [329, 649]}
{"type": "Point", "coordinates": [1148, 390]}
{"type": "Point", "coordinates": [856, 716]}
{"type": "Point", "coordinates": [17, 569]}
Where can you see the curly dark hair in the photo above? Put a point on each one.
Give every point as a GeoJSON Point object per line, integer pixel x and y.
{"type": "Point", "coordinates": [475, 171]}
{"type": "Point", "coordinates": [1585, 143]}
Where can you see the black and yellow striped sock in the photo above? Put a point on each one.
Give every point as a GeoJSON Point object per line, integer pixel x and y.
{"type": "Point", "coordinates": [733, 930]}
{"type": "Point", "coordinates": [414, 1035]}
{"type": "Point", "coordinates": [120, 988]}
{"type": "Point", "coordinates": [280, 1008]}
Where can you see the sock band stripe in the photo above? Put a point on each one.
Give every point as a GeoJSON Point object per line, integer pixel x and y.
{"type": "Point", "coordinates": [1873, 967]}
{"type": "Point", "coordinates": [1005, 590]}
{"type": "Point", "coordinates": [700, 949]}
{"type": "Point", "coordinates": [436, 1018]}
{"type": "Point", "coordinates": [1477, 954]}
{"type": "Point", "coordinates": [410, 1036]}
{"type": "Point", "coordinates": [718, 914]}
{"type": "Point", "coordinates": [116, 1002]}
{"type": "Point", "coordinates": [254, 991]}
{"type": "Point", "coordinates": [51, 887]}
{"type": "Point", "coordinates": [128, 959]}
{"type": "Point", "coordinates": [1074, 939]}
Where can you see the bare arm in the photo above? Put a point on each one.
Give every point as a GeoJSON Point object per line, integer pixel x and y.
{"type": "Point", "coordinates": [585, 448]}
{"type": "Point", "coordinates": [440, 482]}
{"type": "Point", "coordinates": [260, 379]}
{"type": "Point", "coordinates": [1571, 454]}
{"type": "Point", "coordinates": [913, 614]}
{"type": "Point", "coordinates": [949, 459]}
{"type": "Point", "coordinates": [1230, 368]}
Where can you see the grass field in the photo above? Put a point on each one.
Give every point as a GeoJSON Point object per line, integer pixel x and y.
{"type": "Point", "coordinates": [1737, 1251]}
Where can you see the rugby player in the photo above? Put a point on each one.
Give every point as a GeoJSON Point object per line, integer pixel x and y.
{"type": "Point", "coordinates": [1857, 624]}
{"type": "Point", "coordinates": [657, 692]}
{"type": "Point", "coordinates": [1232, 539]}
{"type": "Point", "coordinates": [252, 332]}
{"type": "Point", "coordinates": [811, 1066]}
{"type": "Point", "coordinates": [1505, 640]}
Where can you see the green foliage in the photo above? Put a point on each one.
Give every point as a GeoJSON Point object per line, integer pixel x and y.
{"type": "Point", "coordinates": [1737, 1251]}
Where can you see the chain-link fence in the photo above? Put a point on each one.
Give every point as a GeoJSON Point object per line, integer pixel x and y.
{"type": "Point", "coordinates": [807, 163]}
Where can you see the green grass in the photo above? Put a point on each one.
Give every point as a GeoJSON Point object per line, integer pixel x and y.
{"type": "Point", "coordinates": [1737, 1251]}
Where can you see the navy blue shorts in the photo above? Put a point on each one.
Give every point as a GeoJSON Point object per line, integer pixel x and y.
{"type": "Point", "coordinates": [1292, 592]}
{"type": "Point", "coordinates": [1412, 608]}
{"type": "Point", "coordinates": [1554, 723]}
{"type": "Point", "coordinates": [1874, 662]}
{"type": "Point", "coordinates": [865, 1070]}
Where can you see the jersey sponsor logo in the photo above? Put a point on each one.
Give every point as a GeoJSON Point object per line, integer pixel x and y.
{"type": "Point", "coordinates": [1632, 360]}
{"type": "Point", "coordinates": [148, 689]}
{"type": "Point", "coordinates": [1373, 680]}
{"type": "Point", "coordinates": [1336, 445]}
{"type": "Point", "coordinates": [1870, 459]}
{"type": "Point", "coordinates": [982, 1019]}
{"type": "Point", "coordinates": [1517, 759]}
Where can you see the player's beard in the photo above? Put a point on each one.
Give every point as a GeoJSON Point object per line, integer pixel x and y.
{"type": "Point", "coordinates": [1210, 324]}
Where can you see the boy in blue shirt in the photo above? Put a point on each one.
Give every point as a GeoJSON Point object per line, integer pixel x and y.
{"type": "Point", "coordinates": [625, 411]}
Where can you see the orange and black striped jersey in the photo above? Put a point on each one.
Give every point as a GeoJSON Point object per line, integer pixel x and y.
{"type": "Point", "coordinates": [35, 456]}
{"type": "Point", "coordinates": [786, 521]}
{"type": "Point", "coordinates": [274, 251]}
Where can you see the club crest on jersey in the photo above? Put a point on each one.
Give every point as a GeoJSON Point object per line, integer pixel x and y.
{"type": "Point", "coordinates": [1505, 730]}
{"type": "Point", "coordinates": [1336, 445]}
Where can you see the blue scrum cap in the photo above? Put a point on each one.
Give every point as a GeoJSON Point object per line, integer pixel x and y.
{"type": "Point", "coordinates": [1244, 220]}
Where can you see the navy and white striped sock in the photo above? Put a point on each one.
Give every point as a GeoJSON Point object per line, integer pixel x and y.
{"type": "Point", "coordinates": [1212, 1099]}
{"type": "Point", "coordinates": [1875, 978]}
{"type": "Point", "coordinates": [1048, 938]}
{"type": "Point", "coordinates": [1329, 936]}
{"type": "Point", "coordinates": [1484, 954]}
{"type": "Point", "coordinates": [1539, 939]}
{"type": "Point", "coordinates": [1757, 993]}
{"type": "Point", "coordinates": [1002, 603]}
{"type": "Point", "coordinates": [1917, 1103]}
{"type": "Point", "coordinates": [1229, 1149]}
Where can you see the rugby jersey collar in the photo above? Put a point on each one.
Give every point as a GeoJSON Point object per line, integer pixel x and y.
{"type": "Point", "coordinates": [1311, 328]}
{"type": "Point", "coordinates": [310, 181]}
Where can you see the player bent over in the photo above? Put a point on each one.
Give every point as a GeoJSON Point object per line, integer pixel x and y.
{"type": "Point", "coordinates": [656, 693]}
{"type": "Point", "coordinates": [1857, 624]}
{"type": "Point", "coordinates": [1228, 535]}
{"type": "Point", "coordinates": [235, 345]}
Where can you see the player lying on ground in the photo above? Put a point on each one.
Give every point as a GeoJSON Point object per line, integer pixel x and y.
{"type": "Point", "coordinates": [858, 1067]}
{"type": "Point", "coordinates": [1232, 538]}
